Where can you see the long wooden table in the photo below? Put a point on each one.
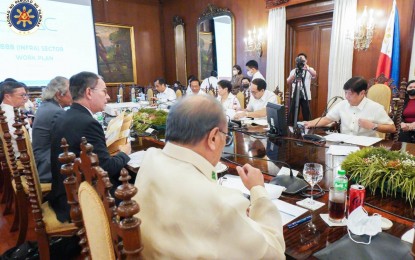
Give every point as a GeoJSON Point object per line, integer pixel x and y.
{"type": "Point", "coordinates": [253, 149]}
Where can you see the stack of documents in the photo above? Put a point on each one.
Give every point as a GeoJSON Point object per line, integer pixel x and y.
{"type": "Point", "coordinates": [352, 139]}
{"type": "Point", "coordinates": [235, 182]}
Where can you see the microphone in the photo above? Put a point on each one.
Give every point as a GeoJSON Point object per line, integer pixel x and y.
{"type": "Point", "coordinates": [291, 183]}
{"type": "Point", "coordinates": [334, 99]}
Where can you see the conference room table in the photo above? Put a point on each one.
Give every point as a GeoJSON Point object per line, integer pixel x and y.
{"type": "Point", "coordinates": [270, 154]}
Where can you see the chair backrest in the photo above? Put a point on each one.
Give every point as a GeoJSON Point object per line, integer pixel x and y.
{"type": "Point", "coordinates": [241, 98]}
{"type": "Point", "coordinates": [35, 193]}
{"type": "Point", "coordinates": [397, 109]}
{"type": "Point", "coordinates": [6, 139]}
{"type": "Point", "coordinates": [247, 94]}
{"type": "Point", "coordinates": [381, 94]}
{"type": "Point", "coordinates": [150, 94]}
{"type": "Point", "coordinates": [179, 93]}
{"type": "Point", "coordinates": [279, 94]}
{"type": "Point", "coordinates": [96, 223]}
{"type": "Point", "coordinates": [123, 227]}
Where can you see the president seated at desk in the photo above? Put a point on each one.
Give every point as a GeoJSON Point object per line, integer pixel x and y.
{"type": "Point", "coordinates": [185, 213]}
{"type": "Point", "coordinates": [358, 114]}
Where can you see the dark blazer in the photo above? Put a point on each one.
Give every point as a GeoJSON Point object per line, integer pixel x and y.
{"type": "Point", "coordinates": [74, 124]}
{"type": "Point", "coordinates": [41, 137]}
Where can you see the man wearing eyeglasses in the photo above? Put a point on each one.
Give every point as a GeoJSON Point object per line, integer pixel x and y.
{"type": "Point", "coordinates": [89, 94]}
{"type": "Point", "coordinates": [13, 94]}
{"type": "Point", "coordinates": [260, 97]}
{"type": "Point", "coordinates": [185, 213]}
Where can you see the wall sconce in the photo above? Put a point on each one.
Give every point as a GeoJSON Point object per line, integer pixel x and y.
{"type": "Point", "coordinates": [253, 44]}
{"type": "Point", "coordinates": [363, 34]}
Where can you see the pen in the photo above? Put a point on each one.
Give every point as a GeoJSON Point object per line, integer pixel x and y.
{"type": "Point", "coordinates": [298, 222]}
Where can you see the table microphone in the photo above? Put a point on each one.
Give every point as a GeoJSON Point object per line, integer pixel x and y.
{"type": "Point", "coordinates": [291, 183]}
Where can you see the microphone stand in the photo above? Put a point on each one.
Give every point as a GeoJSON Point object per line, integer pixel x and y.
{"type": "Point", "coordinates": [291, 183]}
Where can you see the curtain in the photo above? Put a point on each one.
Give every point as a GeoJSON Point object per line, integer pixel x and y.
{"type": "Point", "coordinates": [411, 75]}
{"type": "Point", "coordinates": [276, 49]}
{"type": "Point", "coordinates": [341, 46]}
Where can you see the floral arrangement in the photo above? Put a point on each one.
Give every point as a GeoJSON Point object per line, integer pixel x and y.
{"type": "Point", "coordinates": [376, 167]}
{"type": "Point", "coordinates": [149, 117]}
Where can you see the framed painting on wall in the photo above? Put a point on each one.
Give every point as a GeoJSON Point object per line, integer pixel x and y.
{"type": "Point", "coordinates": [116, 53]}
{"type": "Point", "coordinates": [206, 54]}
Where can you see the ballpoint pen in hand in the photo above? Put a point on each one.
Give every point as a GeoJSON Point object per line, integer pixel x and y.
{"type": "Point", "coordinates": [298, 222]}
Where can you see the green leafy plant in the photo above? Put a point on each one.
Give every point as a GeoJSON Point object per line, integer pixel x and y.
{"type": "Point", "coordinates": [149, 117]}
{"type": "Point", "coordinates": [391, 172]}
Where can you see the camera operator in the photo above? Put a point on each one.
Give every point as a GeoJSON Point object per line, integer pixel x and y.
{"type": "Point", "coordinates": [299, 75]}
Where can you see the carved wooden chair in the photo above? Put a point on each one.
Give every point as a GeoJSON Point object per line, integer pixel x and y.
{"type": "Point", "coordinates": [14, 191]}
{"type": "Point", "coordinates": [105, 231]}
{"type": "Point", "coordinates": [241, 98]}
{"type": "Point", "coordinates": [247, 95]}
{"type": "Point", "coordinates": [46, 223]}
{"type": "Point", "coordinates": [179, 93]}
{"type": "Point", "coordinates": [380, 90]}
{"type": "Point", "coordinates": [397, 109]}
{"type": "Point", "coordinates": [279, 94]}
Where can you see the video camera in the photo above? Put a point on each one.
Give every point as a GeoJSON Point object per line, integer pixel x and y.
{"type": "Point", "coordinates": [300, 63]}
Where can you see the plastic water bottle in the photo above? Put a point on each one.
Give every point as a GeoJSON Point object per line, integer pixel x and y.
{"type": "Point", "coordinates": [120, 94]}
{"type": "Point", "coordinates": [341, 181]}
{"type": "Point", "coordinates": [132, 93]}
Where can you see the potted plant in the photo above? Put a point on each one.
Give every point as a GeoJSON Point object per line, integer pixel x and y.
{"type": "Point", "coordinates": [391, 172]}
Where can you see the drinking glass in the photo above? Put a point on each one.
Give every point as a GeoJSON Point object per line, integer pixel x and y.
{"type": "Point", "coordinates": [313, 173]}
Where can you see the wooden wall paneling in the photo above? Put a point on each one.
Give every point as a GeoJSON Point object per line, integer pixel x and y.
{"type": "Point", "coordinates": [311, 36]}
{"type": "Point", "coordinates": [144, 15]}
{"type": "Point", "coordinates": [365, 62]}
{"type": "Point", "coordinates": [247, 14]}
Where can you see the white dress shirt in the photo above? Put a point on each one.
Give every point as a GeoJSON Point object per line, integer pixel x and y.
{"type": "Point", "coordinates": [186, 214]}
{"type": "Point", "coordinates": [207, 82]}
{"type": "Point", "coordinates": [9, 114]}
{"type": "Point", "coordinates": [349, 116]}
{"type": "Point", "coordinates": [258, 104]}
{"type": "Point", "coordinates": [257, 75]}
{"type": "Point", "coordinates": [307, 83]}
{"type": "Point", "coordinates": [231, 102]}
{"type": "Point", "coordinates": [167, 96]}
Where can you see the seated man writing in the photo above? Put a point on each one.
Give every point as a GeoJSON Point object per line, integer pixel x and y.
{"type": "Point", "coordinates": [260, 97]}
{"type": "Point", "coordinates": [185, 213]}
{"type": "Point", "coordinates": [358, 114]}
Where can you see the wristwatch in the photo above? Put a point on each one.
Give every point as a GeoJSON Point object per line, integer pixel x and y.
{"type": "Point", "coordinates": [375, 127]}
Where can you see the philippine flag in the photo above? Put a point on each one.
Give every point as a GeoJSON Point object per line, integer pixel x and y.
{"type": "Point", "coordinates": [388, 63]}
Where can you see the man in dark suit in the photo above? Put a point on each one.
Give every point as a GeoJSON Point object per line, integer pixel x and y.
{"type": "Point", "coordinates": [55, 97]}
{"type": "Point", "coordinates": [89, 94]}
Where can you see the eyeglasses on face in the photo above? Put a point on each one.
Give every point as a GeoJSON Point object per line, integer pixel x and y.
{"type": "Point", "coordinates": [229, 138]}
{"type": "Point", "coordinates": [101, 89]}
{"type": "Point", "coordinates": [23, 95]}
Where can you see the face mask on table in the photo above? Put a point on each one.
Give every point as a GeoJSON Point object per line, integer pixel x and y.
{"type": "Point", "coordinates": [359, 223]}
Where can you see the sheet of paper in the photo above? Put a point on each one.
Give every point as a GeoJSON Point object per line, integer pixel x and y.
{"type": "Point", "coordinates": [288, 211]}
{"type": "Point", "coordinates": [262, 122]}
{"type": "Point", "coordinates": [342, 149]}
{"type": "Point", "coordinates": [353, 139]}
{"type": "Point", "coordinates": [136, 159]}
{"type": "Point", "coordinates": [363, 140]}
{"type": "Point", "coordinates": [336, 137]}
{"type": "Point", "coordinates": [235, 182]}
{"type": "Point", "coordinates": [286, 171]}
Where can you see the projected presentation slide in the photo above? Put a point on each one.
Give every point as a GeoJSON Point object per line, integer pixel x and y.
{"type": "Point", "coordinates": [42, 39]}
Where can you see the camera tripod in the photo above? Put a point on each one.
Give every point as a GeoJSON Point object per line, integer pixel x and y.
{"type": "Point", "coordinates": [298, 90]}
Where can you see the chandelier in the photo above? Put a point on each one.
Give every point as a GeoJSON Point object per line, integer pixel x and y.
{"type": "Point", "coordinates": [253, 43]}
{"type": "Point", "coordinates": [363, 34]}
